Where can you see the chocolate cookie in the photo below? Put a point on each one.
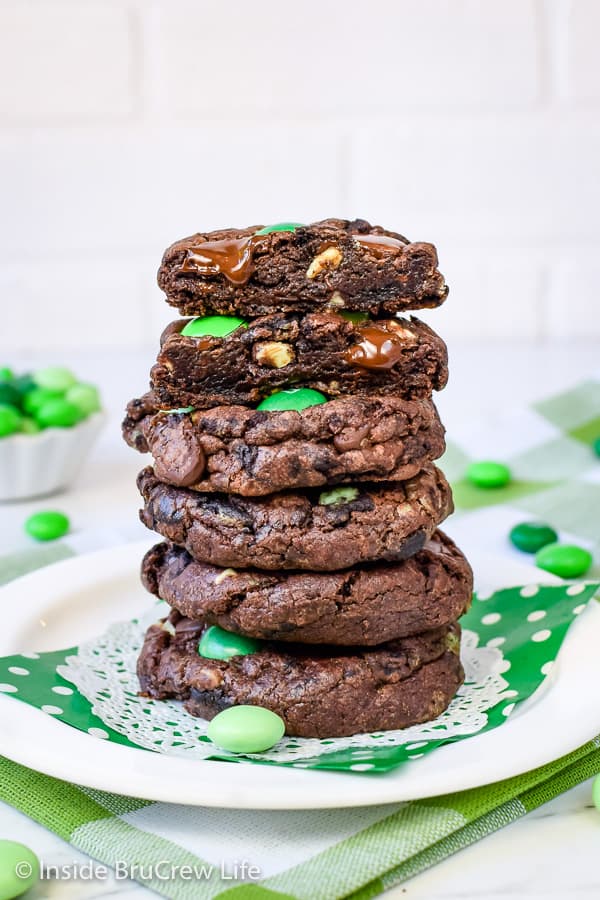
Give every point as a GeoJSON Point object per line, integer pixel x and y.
{"type": "Point", "coordinates": [335, 263]}
{"type": "Point", "coordinates": [320, 350]}
{"type": "Point", "coordinates": [363, 606]}
{"type": "Point", "coordinates": [255, 452]}
{"type": "Point", "coordinates": [318, 692]}
{"type": "Point", "coordinates": [324, 531]}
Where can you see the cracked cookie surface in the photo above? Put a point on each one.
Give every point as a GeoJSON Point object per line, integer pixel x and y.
{"type": "Point", "coordinates": [257, 452]}
{"type": "Point", "coordinates": [300, 529]}
{"type": "Point", "coordinates": [361, 606]}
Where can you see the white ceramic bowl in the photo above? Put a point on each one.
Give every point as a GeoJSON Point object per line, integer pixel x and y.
{"type": "Point", "coordinates": [32, 465]}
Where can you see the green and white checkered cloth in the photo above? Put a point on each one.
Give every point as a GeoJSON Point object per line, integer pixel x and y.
{"type": "Point", "coordinates": [358, 853]}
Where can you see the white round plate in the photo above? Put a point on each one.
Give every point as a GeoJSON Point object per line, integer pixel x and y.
{"type": "Point", "coordinates": [71, 601]}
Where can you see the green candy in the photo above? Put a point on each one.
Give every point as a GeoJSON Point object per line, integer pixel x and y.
{"type": "Point", "coordinates": [58, 413]}
{"type": "Point", "coordinates": [246, 729]}
{"type": "Point", "coordinates": [9, 395]}
{"type": "Point", "coordinates": [296, 398]}
{"type": "Point", "coordinates": [564, 560]}
{"type": "Point", "coordinates": [10, 420]}
{"type": "Point", "coordinates": [532, 536]}
{"type": "Point", "coordinates": [280, 226]}
{"type": "Point", "coordinates": [29, 426]}
{"type": "Point", "coordinates": [6, 374]}
{"type": "Point", "coordinates": [338, 495]}
{"type": "Point", "coordinates": [216, 643]}
{"type": "Point", "coordinates": [54, 378]}
{"type": "Point", "coordinates": [85, 397]}
{"type": "Point", "coordinates": [24, 384]}
{"type": "Point", "coordinates": [213, 326]}
{"type": "Point", "coordinates": [488, 474]}
{"type": "Point", "coordinates": [47, 525]}
{"type": "Point", "coordinates": [596, 446]}
{"type": "Point", "coordinates": [19, 869]}
{"type": "Point", "coordinates": [38, 397]}
{"type": "Point", "coordinates": [357, 318]}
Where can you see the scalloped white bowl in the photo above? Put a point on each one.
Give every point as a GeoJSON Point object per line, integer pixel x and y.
{"type": "Point", "coordinates": [34, 465]}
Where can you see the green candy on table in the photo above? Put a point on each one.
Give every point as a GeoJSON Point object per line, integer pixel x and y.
{"type": "Point", "coordinates": [296, 399]}
{"type": "Point", "coordinates": [213, 326]}
{"type": "Point", "coordinates": [47, 525]}
{"type": "Point", "coordinates": [488, 474]}
{"type": "Point", "coordinates": [55, 378]}
{"type": "Point", "coordinates": [532, 536]}
{"type": "Point", "coordinates": [246, 729]}
{"type": "Point", "coordinates": [216, 643]}
{"type": "Point", "coordinates": [85, 397]}
{"type": "Point", "coordinates": [280, 226]}
{"type": "Point", "coordinates": [19, 869]}
{"type": "Point", "coordinates": [338, 495]}
{"type": "Point", "coordinates": [564, 560]}
{"type": "Point", "coordinates": [10, 420]}
{"type": "Point", "coordinates": [58, 413]}
{"type": "Point", "coordinates": [357, 318]}
{"type": "Point", "coordinates": [6, 374]}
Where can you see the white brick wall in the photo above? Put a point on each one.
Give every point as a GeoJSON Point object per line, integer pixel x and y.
{"type": "Point", "coordinates": [125, 125]}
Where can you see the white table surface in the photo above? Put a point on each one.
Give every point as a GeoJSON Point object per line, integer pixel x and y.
{"type": "Point", "coordinates": [551, 853]}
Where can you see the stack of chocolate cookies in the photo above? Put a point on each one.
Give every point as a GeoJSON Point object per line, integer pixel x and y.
{"type": "Point", "coordinates": [293, 435]}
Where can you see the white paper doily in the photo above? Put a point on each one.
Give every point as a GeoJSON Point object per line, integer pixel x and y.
{"type": "Point", "coordinates": [104, 671]}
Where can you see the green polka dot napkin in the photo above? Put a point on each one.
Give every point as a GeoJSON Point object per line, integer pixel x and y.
{"type": "Point", "coordinates": [356, 852]}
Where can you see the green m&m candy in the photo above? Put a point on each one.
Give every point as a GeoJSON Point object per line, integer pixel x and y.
{"type": "Point", "coordinates": [216, 643]}
{"type": "Point", "coordinates": [10, 420]}
{"type": "Point", "coordinates": [488, 474]}
{"type": "Point", "coordinates": [9, 395]}
{"type": "Point", "coordinates": [54, 378]}
{"type": "Point", "coordinates": [564, 560]}
{"type": "Point", "coordinates": [213, 326]}
{"type": "Point", "coordinates": [532, 536]}
{"type": "Point", "coordinates": [85, 397]}
{"type": "Point", "coordinates": [58, 413]}
{"type": "Point", "coordinates": [357, 318]}
{"type": "Point", "coordinates": [246, 729]}
{"type": "Point", "coordinates": [34, 399]}
{"type": "Point", "coordinates": [297, 398]}
{"type": "Point", "coordinates": [280, 226]}
{"type": "Point", "coordinates": [47, 525]}
{"type": "Point", "coordinates": [338, 495]}
{"type": "Point", "coordinates": [19, 869]}
{"type": "Point", "coordinates": [6, 374]}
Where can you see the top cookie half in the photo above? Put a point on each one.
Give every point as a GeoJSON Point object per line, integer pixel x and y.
{"type": "Point", "coordinates": [334, 264]}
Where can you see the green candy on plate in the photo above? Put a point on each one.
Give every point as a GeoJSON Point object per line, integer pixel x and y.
{"type": "Point", "coordinates": [488, 474]}
{"type": "Point", "coordinates": [246, 729]}
{"type": "Point", "coordinates": [34, 399]}
{"type": "Point", "coordinates": [47, 525]}
{"type": "Point", "coordinates": [19, 869]}
{"type": "Point", "coordinates": [564, 560]}
{"type": "Point", "coordinates": [296, 398]}
{"type": "Point", "coordinates": [55, 378]}
{"type": "Point", "coordinates": [280, 226]}
{"type": "Point", "coordinates": [213, 326]}
{"type": "Point", "coordinates": [6, 374]}
{"type": "Point", "coordinates": [9, 395]}
{"type": "Point", "coordinates": [216, 643]}
{"type": "Point", "coordinates": [10, 420]}
{"type": "Point", "coordinates": [532, 536]}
